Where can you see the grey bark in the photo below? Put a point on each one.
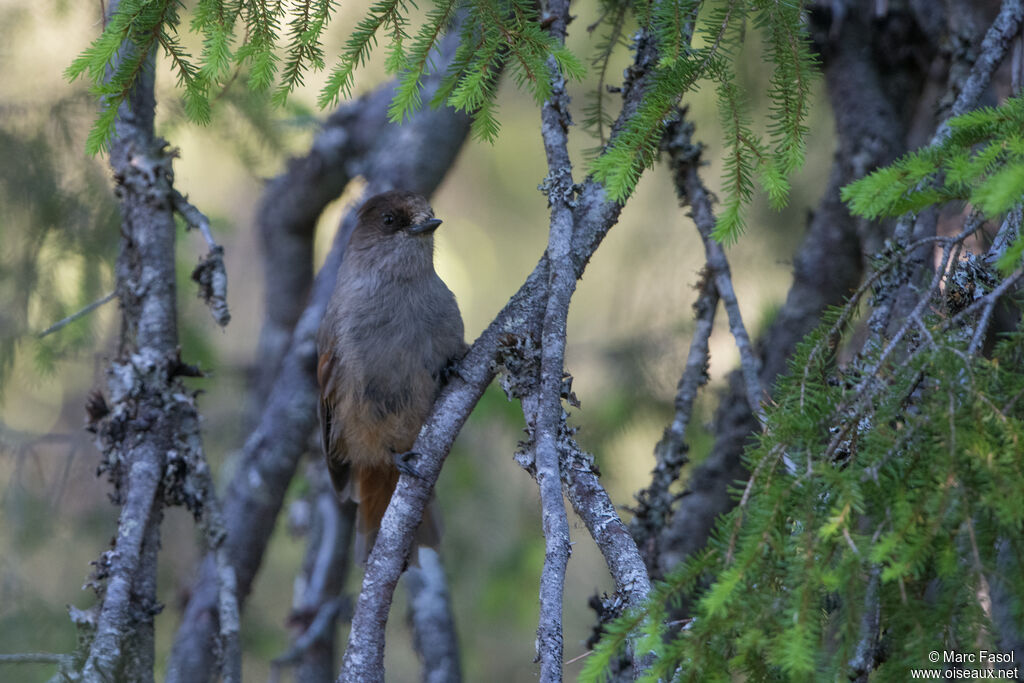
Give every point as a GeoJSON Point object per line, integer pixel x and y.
{"type": "Point", "coordinates": [148, 433]}
{"type": "Point", "coordinates": [430, 615]}
{"type": "Point", "coordinates": [548, 419]}
{"type": "Point", "coordinates": [317, 603]}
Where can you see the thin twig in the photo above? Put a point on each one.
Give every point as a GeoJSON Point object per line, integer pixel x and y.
{"type": "Point", "coordinates": [210, 274]}
{"type": "Point", "coordinates": [35, 658]}
{"type": "Point", "coordinates": [654, 508]}
{"type": "Point", "coordinates": [75, 316]}
{"type": "Point", "coordinates": [195, 218]}
{"type": "Point", "coordinates": [685, 161]}
{"type": "Point", "coordinates": [868, 386]}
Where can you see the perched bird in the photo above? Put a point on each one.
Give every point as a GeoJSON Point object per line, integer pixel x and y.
{"type": "Point", "coordinates": [391, 333]}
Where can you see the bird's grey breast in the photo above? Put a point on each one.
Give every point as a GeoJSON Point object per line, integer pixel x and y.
{"type": "Point", "coordinates": [400, 336]}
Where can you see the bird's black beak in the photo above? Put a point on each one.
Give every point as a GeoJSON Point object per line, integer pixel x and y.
{"type": "Point", "coordinates": [424, 228]}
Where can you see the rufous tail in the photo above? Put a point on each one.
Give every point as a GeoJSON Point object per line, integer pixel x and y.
{"type": "Point", "coordinates": [375, 487]}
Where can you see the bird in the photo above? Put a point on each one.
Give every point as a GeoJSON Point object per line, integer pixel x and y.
{"type": "Point", "coordinates": [390, 336]}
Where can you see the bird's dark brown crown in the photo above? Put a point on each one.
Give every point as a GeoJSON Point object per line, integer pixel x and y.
{"type": "Point", "coordinates": [390, 212]}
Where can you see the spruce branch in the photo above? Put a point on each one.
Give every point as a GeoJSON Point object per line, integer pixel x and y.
{"type": "Point", "coordinates": [596, 112]}
{"type": "Point", "coordinates": [305, 49]}
{"type": "Point", "coordinates": [407, 97]}
{"type": "Point", "coordinates": [382, 14]}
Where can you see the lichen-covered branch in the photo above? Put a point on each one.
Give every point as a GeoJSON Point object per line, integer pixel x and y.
{"type": "Point", "coordinates": [147, 429]}
{"type": "Point", "coordinates": [548, 422]}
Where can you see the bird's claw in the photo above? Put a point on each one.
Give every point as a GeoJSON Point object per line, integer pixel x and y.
{"type": "Point", "coordinates": [405, 462]}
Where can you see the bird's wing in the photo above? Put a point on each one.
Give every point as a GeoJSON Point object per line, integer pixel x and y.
{"type": "Point", "coordinates": [326, 376]}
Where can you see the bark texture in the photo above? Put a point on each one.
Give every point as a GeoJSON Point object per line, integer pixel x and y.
{"type": "Point", "coordinates": [147, 427]}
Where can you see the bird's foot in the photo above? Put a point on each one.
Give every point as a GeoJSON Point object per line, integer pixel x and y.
{"type": "Point", "coordinates": [406, 463]}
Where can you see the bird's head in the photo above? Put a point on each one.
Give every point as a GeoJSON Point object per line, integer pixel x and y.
{"type": "Point", "coordinates": [395, 214]}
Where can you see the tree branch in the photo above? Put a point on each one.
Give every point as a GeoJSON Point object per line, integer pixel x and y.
{"type": "Point", "coordinates": [149, 433]}
{"type": "Point", "coordinates": [994, 46]}
{"type": "Point", "coordinates": [137, 382]}
{"type": "Point", "coordinates": [317, 605]}
{"type": "Point", "coordinates": [60, 324]}
{"type": "Point", "coordinates": [684, 159]}
{"type": "Point", "coordinates": [654, 504]}
{"type": "Point", "coordinates": [558, 185]}
{"type": "Point", "coordinates": [430, 615]}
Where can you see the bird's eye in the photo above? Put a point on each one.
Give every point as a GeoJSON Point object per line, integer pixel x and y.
{"type": "Point", "coordinates": [388, 219]}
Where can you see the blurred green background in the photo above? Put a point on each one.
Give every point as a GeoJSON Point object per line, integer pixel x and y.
{"type": "Point", "coordinates": [628, 337]}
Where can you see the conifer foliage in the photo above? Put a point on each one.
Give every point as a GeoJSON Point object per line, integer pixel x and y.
{"type": "Point", "coordinates": [276, 43]}
{"type": "Point", "coordinates": [980, 161]}
{"type": "Point", "coordinates": [881, 520]}
{"type": "Point", "coordinates": [697, 44]}
{"type": "Point", "coordinates": [903, 516]}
